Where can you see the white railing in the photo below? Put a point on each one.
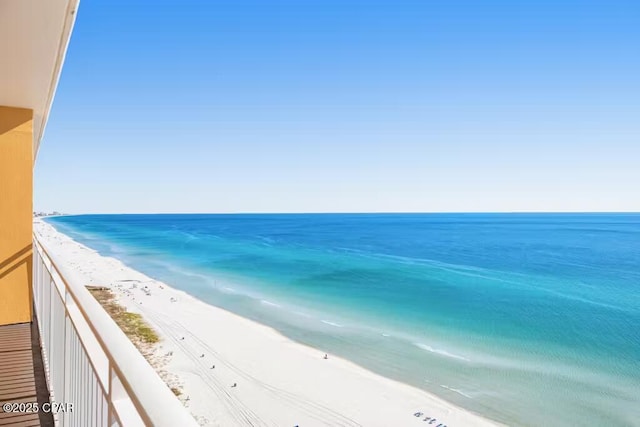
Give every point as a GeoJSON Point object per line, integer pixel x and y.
{"type": "Point", "coordinates": [96, 376]}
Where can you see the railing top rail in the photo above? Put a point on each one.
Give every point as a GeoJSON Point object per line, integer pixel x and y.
{"type": "Point", "coordinates": [153, 400]}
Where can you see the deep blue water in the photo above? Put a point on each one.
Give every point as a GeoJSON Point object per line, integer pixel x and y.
{"type": "Point", "coordinates": [525, 318]}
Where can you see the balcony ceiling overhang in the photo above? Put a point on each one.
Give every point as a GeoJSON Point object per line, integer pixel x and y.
{"type": "Point", "coordinates": [34, 35]}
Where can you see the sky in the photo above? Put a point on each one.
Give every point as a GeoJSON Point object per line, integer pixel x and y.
{"type": "Point", "coordinates": [346, 106]}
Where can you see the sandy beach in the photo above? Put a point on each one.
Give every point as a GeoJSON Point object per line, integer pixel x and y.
{"type": "Point", "coordinates": [278, 382]}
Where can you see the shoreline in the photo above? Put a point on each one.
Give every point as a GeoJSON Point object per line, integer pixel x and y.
{"type": "Point", "coordinates": [279, 381]}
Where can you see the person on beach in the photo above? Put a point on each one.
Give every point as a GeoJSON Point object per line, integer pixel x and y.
{"type": "Point", "coordinates": [325, 356]}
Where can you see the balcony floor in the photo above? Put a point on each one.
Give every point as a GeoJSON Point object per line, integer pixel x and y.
{"type": "Point", "coordinates": [22, 377]}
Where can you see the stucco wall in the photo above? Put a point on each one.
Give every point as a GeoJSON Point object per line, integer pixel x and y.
{"type": "Point", "coordinates": [16, 212]}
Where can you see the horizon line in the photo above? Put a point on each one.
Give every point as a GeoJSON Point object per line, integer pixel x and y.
{"type": "Point", "coordinates": [349, 213]}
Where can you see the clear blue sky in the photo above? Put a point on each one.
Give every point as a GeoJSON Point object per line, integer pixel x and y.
{"type": "Point", "coordinates": [314, 106]}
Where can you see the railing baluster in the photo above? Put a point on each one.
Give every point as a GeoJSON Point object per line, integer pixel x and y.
{"type": "Point", "coordinates": [110, 397]}
{"type": "Point", "coordinates": [88, 360]}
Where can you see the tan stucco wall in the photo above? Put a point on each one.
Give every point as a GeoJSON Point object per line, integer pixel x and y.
{"type": "Point", "coordinates": [16, 213]}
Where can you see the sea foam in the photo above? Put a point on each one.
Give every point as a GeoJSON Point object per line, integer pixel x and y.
{"type": "Point", "coordinates": [440, 352]}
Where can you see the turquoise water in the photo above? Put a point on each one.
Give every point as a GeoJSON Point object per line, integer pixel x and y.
{"type": "Point", "coordinates": [527, 319]}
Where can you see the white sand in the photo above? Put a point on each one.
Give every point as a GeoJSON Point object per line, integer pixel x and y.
{"type": "Point", "coordinates": [279, 382]}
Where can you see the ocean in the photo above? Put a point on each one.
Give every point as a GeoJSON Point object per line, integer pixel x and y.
{"type": "Point", "coordinates": [527, 319]}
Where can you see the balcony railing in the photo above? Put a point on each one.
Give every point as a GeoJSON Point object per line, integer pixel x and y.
{"type": "Point", "coordinates": [90, 363]}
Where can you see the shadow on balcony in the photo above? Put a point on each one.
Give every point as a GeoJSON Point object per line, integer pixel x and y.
{"type": "Point", "coordinates": [22, 376]}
